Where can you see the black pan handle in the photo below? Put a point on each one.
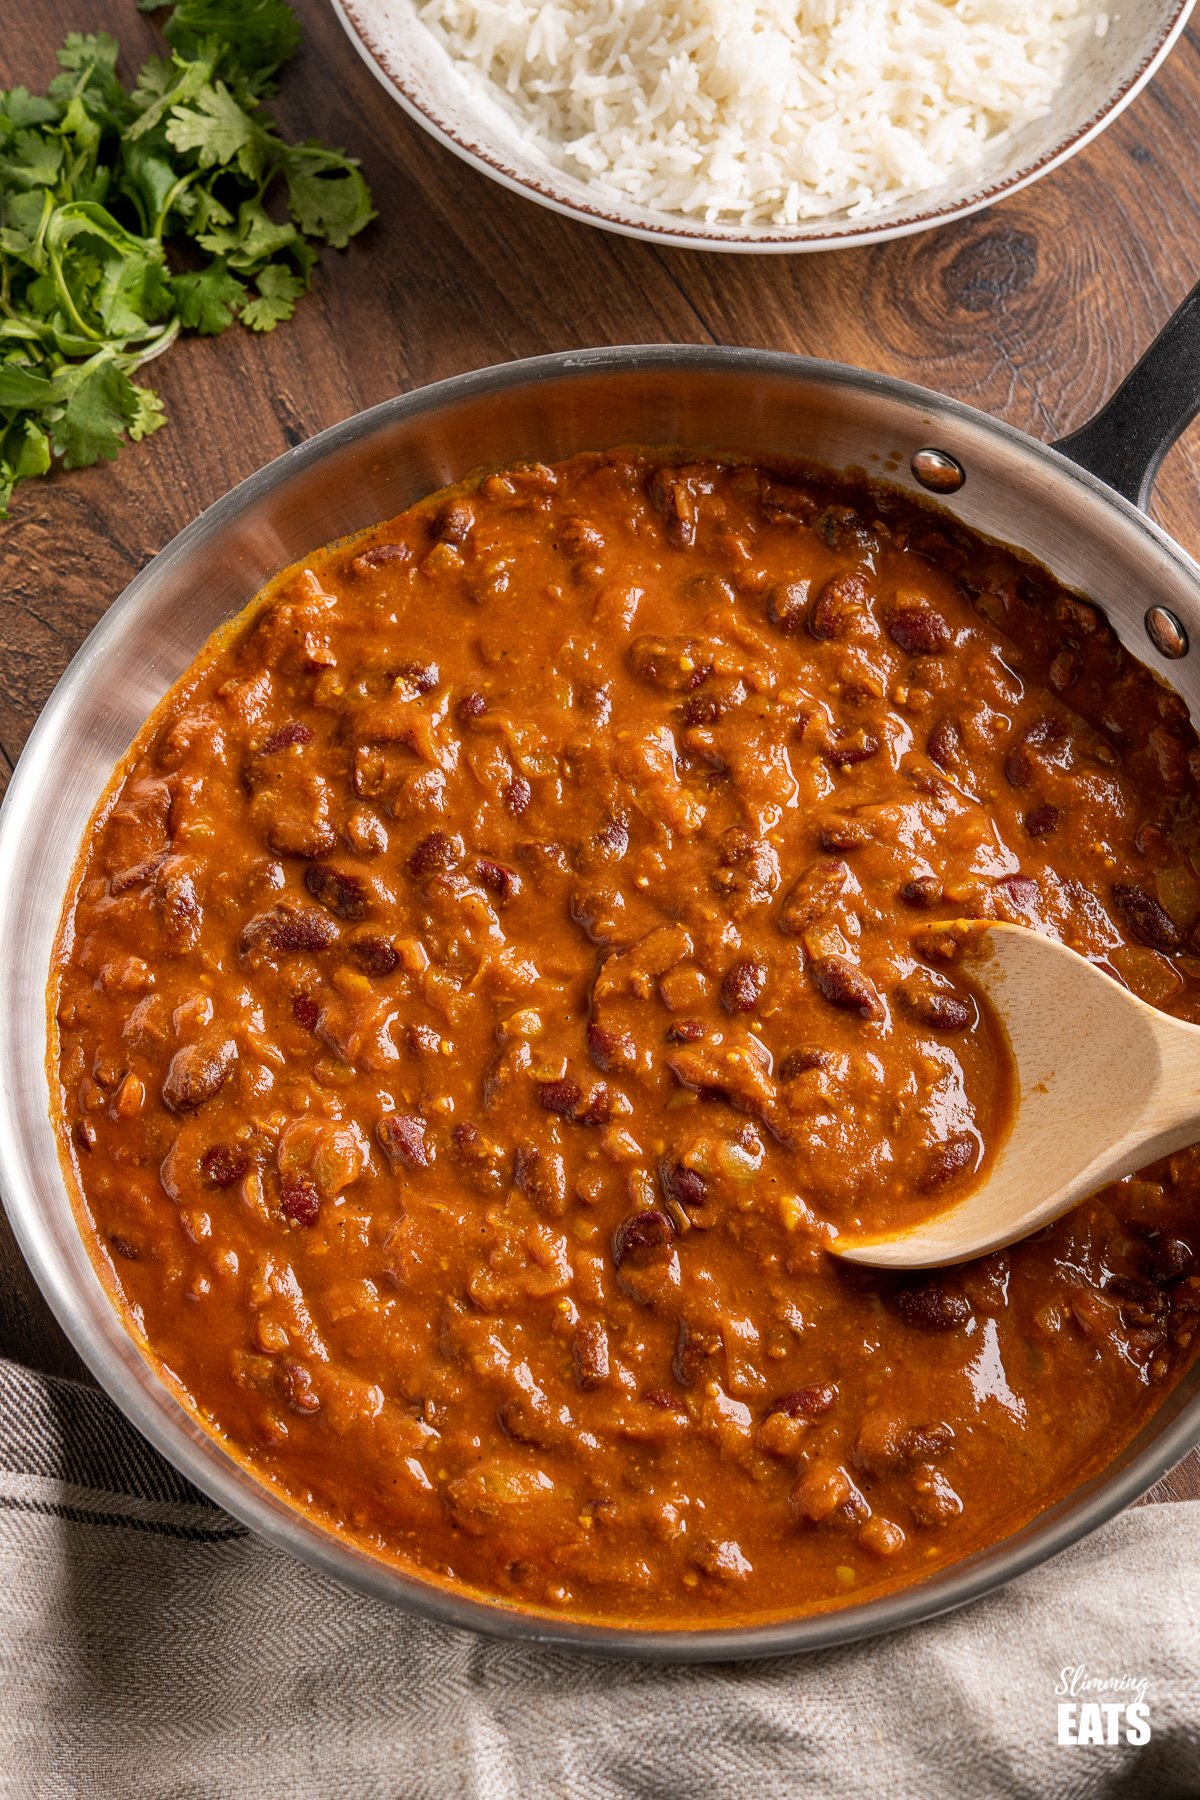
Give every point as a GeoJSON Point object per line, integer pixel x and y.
{"type": "Point", "coordinates": [1126, 441]}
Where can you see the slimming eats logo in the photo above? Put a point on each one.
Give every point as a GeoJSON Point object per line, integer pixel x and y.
{"type": "Point", "coordinates": [1102, 1709]}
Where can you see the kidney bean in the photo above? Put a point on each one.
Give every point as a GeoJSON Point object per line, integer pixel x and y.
{"type": "Point", "coordinates": [1144, 919]}
{"type": "Point", "coordinates": [687, 1188]}
{"type": "Point", "coordinates": [695, 1348]}
{"type": "Point", "coordinates": [610, 1049]}
{"type": "Point", "coordinates": [299, 1201]}
{"type": "Point", "coordinates": [296, 1389]}
{"type": "Point", "coordinates": [596, 1107]}
{"type": "Point", "coordinates": [560, 1097]}
{"type": "Point", "coordinates": [887, 1444]}
{"type": "Point", "coordinates": [922, 890]}
{"type": "Point", "coordinates": [844, 834]}
{"type": "Point", "coordinates": [805, 1403]}
{"type": "Point", "coordinates": [919, 630]}
{"type": "Point", "coordinates": [931, 1305]}
{"type": "Point", "coordinates": [787, 604]}
{"type": "Point", "coordinates": [375, 955]}
{"type": "Point", "coordinates": [815, 894]}
{"type": "Point", "coordinates": [499, 880]}
{"type": "Point", "coordinates": [403, 1138]}
{"type": "Point", "coordinates": [931, 999]}
{"type": "Point", "coordinates": [178, 904]}
{"type": "Point", "coordinates": [662, 1400]}
{"type": "Point", "coordinates": [843, 984]}
{"type": "Point", "coordinates": [952, 1158]}
{"type": "Point", "coordinates": [1044, 732]}
{"type": "Point", "coordinates": [715, 701]}
{"type": "Point", "coordinates": [285, 930]}
{"type": "Point", "coordinates": [344, 895]}
{"type": "Point", "coordinates": [542, 1174]}
{"type": "Point", "coordinates": [685, 1031]}
{"type": "Point", "coordinates": [641, 1236]}
{"type": "Point", "coordinates": [782, 503]}
{"type": "Point", "coordinates": [305, 1011]}
{"type": "Point", "coordinates": [742, 988]}
{"type": "Point", "coordinates": [834, 608]}
{"type": "Point", "coordinates": [296, 732]}
{"type": "Point", "coordinates": [589, 1351]}
{"type": "Point", "coordinates": [197, 1072]}
{"type": "Point", "coordinates": [1168, 1259]}
{"type": "Point", "coordinates": [455, 523]}
{"type": "Point", "coordinates": [748, 867]}
{"type": "Point", "coordinates": [934, 1500]}
{"type": "Point", "coordinates": [612, 840]}
{"type": "Point", "coordinates": [673, 498]}
{"type": "Point", "coordinates": [846, 748]}
{"type": "Point", "coordinates": [945, 745]}
{"type": "Point", "coordinates": [378, 557]}
{"type": "Point", "coordinates": [1042, 820]}
{"type": "Point", "coordinates": [843, 529]}
{"type": "Point", "coordinates": [223, 1164]}
{"type": "Point", "coordinates": [799, 1062]}
{"type": "Point", "coordinates": [516, 796]}
{"type": "Point", "coordinates": [423, 676]}
{"type": "Point", "coordinates": [436, 854]}
{"type": "Point", "coordinates": [1065, 671]}
{"type": "Point", "coordinates": [1021, 890]}
{"type": "Point", "coordinates": [469, 707]}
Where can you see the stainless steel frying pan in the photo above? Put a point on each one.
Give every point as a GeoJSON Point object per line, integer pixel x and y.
{"type": "Point", "coordinates": [1074, 507]}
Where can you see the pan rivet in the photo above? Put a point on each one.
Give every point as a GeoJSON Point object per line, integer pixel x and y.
{"type": "Point", "coordinates": [1166, 633]}
{"type": "Point", "coordinates": [938, 471]}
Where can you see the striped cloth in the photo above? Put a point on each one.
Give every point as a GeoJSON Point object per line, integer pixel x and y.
{"type": "Point", "coordinates": [151, 1649]}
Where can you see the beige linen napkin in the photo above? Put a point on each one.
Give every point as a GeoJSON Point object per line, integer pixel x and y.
{"type": "Point", "coordinates": [150, 1649]}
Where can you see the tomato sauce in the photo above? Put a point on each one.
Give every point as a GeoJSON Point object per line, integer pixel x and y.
{"type": "Point", "coordinates": [514, 951]}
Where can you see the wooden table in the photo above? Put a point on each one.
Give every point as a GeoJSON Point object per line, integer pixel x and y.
{"type": "Point", "coordinates": [1031, 310]}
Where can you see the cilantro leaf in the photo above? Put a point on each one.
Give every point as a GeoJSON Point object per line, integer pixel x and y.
{"type": "Point", "coordinates": [208, 300]}
{"type": "Point", "coordinates": [327, 196]}
{"type": "Point", "coordinates": [278, 292]}
{"type": "Point", "coordinates": [218, 130]}
{"type": "Point", "coordinates": [19, 107]}
{"type": "Point", "coordinates": [150, 412]}
{"type": "Point", "coordinates": [257, 36]}
{"type": "Point", "coordinates": [35, 160]}
{"type": "Point", "coordinates": [102, 403]}
{"type": "Point", "coordinates": [252, 239]}
{"type": "Point", "coordinates": [86, 50]}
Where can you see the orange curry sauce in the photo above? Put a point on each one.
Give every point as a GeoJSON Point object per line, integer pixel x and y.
{"type": "Point", "coordinates": [518, 944]}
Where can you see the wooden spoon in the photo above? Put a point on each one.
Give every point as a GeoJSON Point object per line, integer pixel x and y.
{"type": "Point", "coordinates": [1104, 1085]}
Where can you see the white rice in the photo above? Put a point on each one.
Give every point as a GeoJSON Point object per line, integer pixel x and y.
{"type": "Point", "coordinates": [765, 111]}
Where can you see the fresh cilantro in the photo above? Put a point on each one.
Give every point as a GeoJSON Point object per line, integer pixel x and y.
{"type": "Point", "coordinates": [278, 292]}
{"type": "Point", "coordinates": [209, 299]}
{"type": "Point", "coordinates": [218, 130]}
{"type": "Point", "coordinates": [261, 34]}
{"type": "Point", "coordinates": [129, 214]}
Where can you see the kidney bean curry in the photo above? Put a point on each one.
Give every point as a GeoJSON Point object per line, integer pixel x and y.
{"type": "Point", "coordinates": [515, 949]}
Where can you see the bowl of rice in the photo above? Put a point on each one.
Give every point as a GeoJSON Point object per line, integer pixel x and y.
{"type": "Point", "coordinates": [764, 125]}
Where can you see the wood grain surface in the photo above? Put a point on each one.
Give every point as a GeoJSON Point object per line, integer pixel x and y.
{"type": "Point", "coordinates": [1031, 310]}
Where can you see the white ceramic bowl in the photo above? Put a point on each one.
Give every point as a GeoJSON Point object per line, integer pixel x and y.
{"type": "Point", "coordinates": [418, 72]}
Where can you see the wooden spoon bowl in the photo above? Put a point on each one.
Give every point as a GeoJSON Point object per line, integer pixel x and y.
{"type": "Point", "coordinates": [1104, 1085]}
